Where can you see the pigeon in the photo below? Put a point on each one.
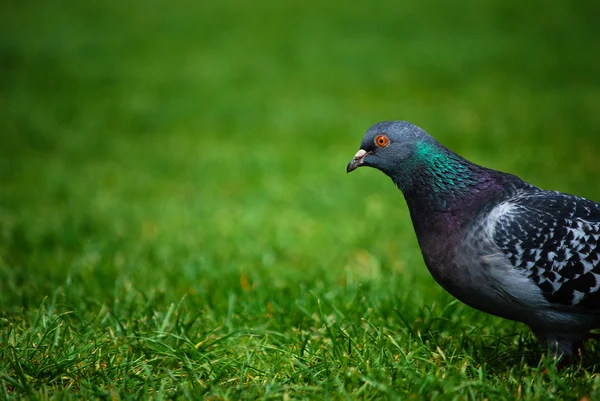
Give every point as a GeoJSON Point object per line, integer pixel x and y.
{"type": "Point", "coordinates": [494, 241]}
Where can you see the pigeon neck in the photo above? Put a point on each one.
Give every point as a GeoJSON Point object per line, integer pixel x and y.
{"type": "Point", "coordinates": [437, 178]}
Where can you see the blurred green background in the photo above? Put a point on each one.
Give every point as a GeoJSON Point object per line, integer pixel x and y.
{"type": "Point", "coordinates": [193, 153]}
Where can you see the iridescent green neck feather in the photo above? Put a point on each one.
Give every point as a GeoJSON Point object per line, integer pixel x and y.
{"type": "Point", "coordinates": [447, 170]}
{"type": "Point", "coordinates": [434, 173]}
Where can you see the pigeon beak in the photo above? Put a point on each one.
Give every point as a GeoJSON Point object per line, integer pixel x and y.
{"type": "Point", "coordinates": [357, 161]}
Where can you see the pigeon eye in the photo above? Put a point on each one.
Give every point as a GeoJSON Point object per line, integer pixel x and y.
{"type": "Point", "coordinates": [382, 141]}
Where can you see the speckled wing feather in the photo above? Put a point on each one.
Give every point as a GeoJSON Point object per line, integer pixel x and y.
{"type": "Point", "coordinates": [555, 239]}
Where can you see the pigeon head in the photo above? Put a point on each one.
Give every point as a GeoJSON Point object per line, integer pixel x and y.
{"type": "Point", "coordinates": [418, 164]}
{"type": "Point", "coordinates": [396, 148]}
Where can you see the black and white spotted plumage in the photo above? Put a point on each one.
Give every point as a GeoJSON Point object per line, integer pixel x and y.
{"type": "Point", "coordinates": [554, 238]}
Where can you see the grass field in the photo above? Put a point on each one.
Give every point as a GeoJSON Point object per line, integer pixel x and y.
{"type": "Point", "coordinates": [175, 216]}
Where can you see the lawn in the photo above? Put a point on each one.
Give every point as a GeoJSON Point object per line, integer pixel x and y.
{"type": "Point", "coordinates": [175, 216]}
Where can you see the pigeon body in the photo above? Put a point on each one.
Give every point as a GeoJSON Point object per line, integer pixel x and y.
{"type": "Point", "coordinates": [493, 241]}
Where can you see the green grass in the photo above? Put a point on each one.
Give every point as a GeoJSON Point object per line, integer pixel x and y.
{"type": "Point", "coordinates": [175, 217]}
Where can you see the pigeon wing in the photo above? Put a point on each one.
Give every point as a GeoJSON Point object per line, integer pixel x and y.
{"type": "Point", "coordinates": [554, 238]}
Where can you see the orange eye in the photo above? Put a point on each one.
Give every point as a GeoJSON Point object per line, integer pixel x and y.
{"type": "Point", "coordinates": [382, 141]}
